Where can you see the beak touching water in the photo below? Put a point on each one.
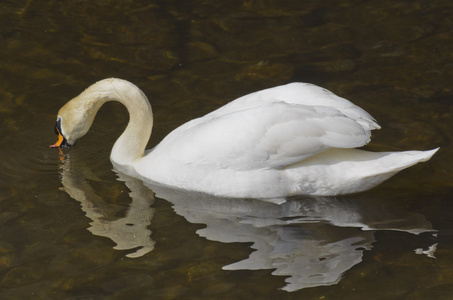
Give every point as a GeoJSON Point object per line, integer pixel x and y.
{"type": "Point", "coordinates": [61, 139]}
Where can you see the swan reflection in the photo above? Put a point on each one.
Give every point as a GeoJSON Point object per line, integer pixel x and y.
{"type": "Point", "coordinates": [128, 232]}
{"type": "Point", "coordinates": [311, 241]}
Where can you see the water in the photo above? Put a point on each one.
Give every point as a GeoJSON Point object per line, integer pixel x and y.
{"type": "Point", "coordinates": [67, 221]}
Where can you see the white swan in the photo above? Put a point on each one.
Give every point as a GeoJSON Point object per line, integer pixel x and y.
{"type": "Point", "coordinates": [288, 140]}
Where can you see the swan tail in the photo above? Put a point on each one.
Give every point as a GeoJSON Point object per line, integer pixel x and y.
{"type": "Point", "coordinates": [388, 165]}
{"type": "Point", "coordinates": [397, 161]}
{"type": "Point", "coordinates": [347, 171]}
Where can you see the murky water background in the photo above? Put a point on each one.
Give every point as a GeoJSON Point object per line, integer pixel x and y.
{"type": "Point", "coordinates": [62, 214]}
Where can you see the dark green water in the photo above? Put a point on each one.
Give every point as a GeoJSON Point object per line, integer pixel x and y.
{"type": "Point", "coordinates": [62, 214]}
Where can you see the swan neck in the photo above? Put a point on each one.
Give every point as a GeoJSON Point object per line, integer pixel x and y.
{"type": "Point", "coordinates": [130, 146]}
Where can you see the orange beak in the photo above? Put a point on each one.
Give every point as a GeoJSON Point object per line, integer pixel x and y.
{"type": "Point", "coordinates": [60, 140]}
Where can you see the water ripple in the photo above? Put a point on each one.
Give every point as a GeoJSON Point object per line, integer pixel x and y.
{"type": "Point", "coordinates": [26, 152]}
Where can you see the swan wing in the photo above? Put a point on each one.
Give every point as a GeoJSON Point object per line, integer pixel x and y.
{"type": "Point", "coordinates": [304, 94]}
{"type": "Point", "coordinates": [271, 135]}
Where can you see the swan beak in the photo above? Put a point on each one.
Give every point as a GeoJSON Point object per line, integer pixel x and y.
{"type": "Point", "coordinates": [61, 142]}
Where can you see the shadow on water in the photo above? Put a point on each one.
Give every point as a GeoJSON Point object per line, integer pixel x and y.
{"type": "Point", "coordinates": [311, 241]}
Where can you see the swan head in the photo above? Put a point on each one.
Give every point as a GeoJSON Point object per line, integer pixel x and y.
{"type": "Point", "coordinates": [73, 121]}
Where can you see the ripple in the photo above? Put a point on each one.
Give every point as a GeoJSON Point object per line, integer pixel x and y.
{"type": "Point", "coordinates": [26, 152]}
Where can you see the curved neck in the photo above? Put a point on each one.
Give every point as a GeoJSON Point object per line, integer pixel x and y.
{"type": "Point", "coordinates": [131, 145]}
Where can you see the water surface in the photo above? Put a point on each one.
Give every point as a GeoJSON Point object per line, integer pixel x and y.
{"type": "Point", "coordinates": [71, 228]}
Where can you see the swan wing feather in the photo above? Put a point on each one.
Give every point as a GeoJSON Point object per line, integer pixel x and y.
{"type": "Point", "coordinates": [272, 135]}
{"type": "Point", "coordinates": [304, 94]}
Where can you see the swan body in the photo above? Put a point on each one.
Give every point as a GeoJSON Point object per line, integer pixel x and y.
{"type": "Point", "coordinates": [295, 139]}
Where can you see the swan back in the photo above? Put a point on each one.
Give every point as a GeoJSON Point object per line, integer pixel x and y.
{"type": "Point", "coordinates": [303, 94]}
